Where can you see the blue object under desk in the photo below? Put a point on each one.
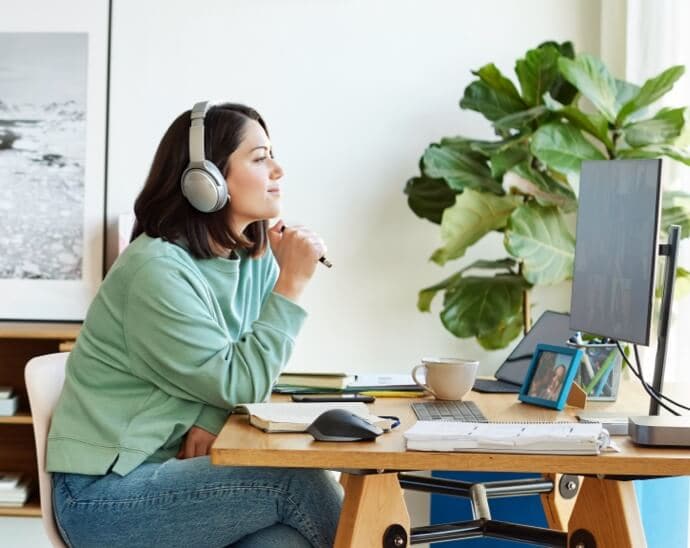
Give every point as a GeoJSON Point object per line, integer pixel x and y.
{"type": "Point", "coordinates": [664, 507]}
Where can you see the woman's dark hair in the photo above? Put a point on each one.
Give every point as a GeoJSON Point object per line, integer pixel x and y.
{"type": "Point", "coordinates": [163, 212]}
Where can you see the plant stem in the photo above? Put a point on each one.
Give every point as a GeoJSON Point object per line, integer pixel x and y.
{"type": "Point", "coordinates": [526, 316]}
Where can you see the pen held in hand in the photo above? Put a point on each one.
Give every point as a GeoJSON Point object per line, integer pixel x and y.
{"type": "Point", "coordinates": [322, 260]}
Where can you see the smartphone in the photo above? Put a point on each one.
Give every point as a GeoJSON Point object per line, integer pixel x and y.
{"type": "Point", "coordinates": [321, 398]}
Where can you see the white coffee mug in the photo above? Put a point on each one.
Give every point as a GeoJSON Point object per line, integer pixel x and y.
{"type": "Point", "coordinates": [447, 378]}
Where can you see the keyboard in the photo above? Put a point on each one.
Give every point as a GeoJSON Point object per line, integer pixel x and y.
{"type": "Point", "coordinates": [456, 411]}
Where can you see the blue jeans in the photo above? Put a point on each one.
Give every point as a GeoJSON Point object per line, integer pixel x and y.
{"type": "Point", "coordinates": [192, 503]}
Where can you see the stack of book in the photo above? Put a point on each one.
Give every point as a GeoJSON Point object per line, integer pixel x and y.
{"type": "Point", "coordinates": [14, 489]}
{"type": "Point", "coordinates": [8, 401]}
{"type": "Point", "coordinates": [294, 381]}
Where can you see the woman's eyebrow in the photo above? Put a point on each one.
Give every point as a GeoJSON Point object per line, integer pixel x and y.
{"type": "Point", "coordinates": [261, 146]}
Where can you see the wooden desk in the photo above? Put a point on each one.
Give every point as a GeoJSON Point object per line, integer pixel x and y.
{"type": "Point", "coordinates": [605, 507]}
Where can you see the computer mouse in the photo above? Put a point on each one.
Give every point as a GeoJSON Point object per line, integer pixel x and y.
{"type": "Point", "coordinates": [342, 425]}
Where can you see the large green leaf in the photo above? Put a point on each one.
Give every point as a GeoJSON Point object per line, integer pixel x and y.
{"type": "Point", "coordinates": [489, 148]}
{"type": "Point", "coordinates": [428, 197]}
{"type": "Point", "coordinates": [594, 124]}
{"type": "Point", "coordinates": [476, 306]}
{"type": "Point", "coordinates": [473, 215]}
{"type": "Point", "coordinates": [503, 160]}
{"type": "Point", "coordinates": [522, 119]}
{"type": "Point", "coordinates": [666, 125]}
{"type": "Point", "coordinates": [459, 169]}
{"type": "Point", "coordinates": [562, 90]}
{"type": "Point", "coordinates": [490, 75]}
{"type": "Point", "coordinates": [655, 151]}
{"type": "Point", "coordinates": [592, 78]}
{"type": "Point", "coordinates": [651, 90]}
{"type": "Point", "coordinates": [546, 190]}
{"type": "Point", "coordinates": [427, 294]}
{"type": "Point", "coordinates": [507, 331]}
{"type": "Point", "coordinates": [464, 145]}
{"type": "Point", "coordinates": [537, 72]}
{"type": "Point", "coordinates": [539, 236]}
{"type": "Point", "coordinates": [563, 147]}
{"type": "Point", "coordinates": [675, 210]}
{"type": "Point", "coordinates": [493, 104]}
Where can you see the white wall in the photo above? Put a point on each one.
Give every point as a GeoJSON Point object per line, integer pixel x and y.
{"type": "Point", "coordinates": [352, 92]}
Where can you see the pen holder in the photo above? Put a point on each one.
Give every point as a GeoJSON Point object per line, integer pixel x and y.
{"type": "Point", "coordinates": [599, 373]}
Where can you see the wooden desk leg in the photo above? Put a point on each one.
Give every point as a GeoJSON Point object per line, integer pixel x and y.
{"type": "Point", "coordinates": [372, 503]}
{"type": "Point", "coordinates": [608, 510]}
{"type": "Point", "coordinates": [557, 508]}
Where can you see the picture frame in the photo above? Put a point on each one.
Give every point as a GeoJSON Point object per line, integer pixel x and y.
{"type": "Point", "coordinates": [550, 376]}
{"type": "Point", "coordinates": [53, 160]}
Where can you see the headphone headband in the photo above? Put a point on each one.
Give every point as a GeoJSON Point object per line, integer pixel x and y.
{"type": "Point", "coordinates": [196, 132]}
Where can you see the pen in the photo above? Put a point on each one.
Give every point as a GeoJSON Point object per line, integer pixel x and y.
{"type": "Point", "coordinates": [394, 393]}
{"type": "Point", "coordinates": [322, 260]}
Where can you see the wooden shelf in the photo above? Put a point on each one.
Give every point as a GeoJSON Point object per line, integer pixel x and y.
{"type": "Point", "coordinates": [32, 508]}
{"type": "Point", "coordinates": [39, 330]}
{"type": "Point", "coordinates": [19, 418]}
{"type": "Point", "coordinates": [19, 342]}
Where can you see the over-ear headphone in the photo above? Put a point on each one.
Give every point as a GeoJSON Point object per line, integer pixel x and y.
{"type": "Point", "coordinates": [202, 182]}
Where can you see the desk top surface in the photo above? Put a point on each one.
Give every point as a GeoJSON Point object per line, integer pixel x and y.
{"type": "Point", "coordinates": [240, 444]}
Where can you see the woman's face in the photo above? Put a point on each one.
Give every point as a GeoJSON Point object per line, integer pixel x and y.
{"type": "Point", "coordinates": [253, 179]}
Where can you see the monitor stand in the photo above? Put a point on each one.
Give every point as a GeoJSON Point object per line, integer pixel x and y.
{"type": "Point", "coordinates": [667, 429]}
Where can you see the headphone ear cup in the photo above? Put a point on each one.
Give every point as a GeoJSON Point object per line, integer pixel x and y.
{"type": "Point", "coordinates": [205, 187]}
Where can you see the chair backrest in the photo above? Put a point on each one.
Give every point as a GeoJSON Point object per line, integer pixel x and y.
{"type": "Point", "coordinates": [44, 377]}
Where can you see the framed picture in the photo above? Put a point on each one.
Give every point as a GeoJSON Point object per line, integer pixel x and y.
{"type": "Point", "coordinates": [53, 126]}
{"type": "Point", "coordinates": [550, 375]}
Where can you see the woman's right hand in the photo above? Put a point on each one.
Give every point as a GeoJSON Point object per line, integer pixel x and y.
{"type": "Point", "coordinates": [297, 250]}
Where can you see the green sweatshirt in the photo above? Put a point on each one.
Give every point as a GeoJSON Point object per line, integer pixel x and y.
{"type": "Point", "coordinates": [168, 342]}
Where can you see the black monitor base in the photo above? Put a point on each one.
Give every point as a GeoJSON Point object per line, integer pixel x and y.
{"type": "Point", "coordinates": [660, 430]}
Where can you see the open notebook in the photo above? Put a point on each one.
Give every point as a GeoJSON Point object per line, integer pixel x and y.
{"type": "Point", "coordinates": [565, 438]}
{"type": "Point", "coordinates": [296, 417]}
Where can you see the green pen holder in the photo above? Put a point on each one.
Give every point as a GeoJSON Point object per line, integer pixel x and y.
{"type": "Point", "coordinates": [599, 373]}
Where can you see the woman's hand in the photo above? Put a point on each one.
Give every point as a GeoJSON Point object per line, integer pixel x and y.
{"type": "Point", "coordinates": [197, 443]}
{"type": "Point", "coordinates": [297, 251]}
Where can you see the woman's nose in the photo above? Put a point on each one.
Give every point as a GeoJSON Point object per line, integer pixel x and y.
{"type": "Point", "coordinates": [277, 171]}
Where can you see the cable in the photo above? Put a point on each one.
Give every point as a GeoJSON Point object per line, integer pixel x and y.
{"type": "Point", "coordinates": [637, 359]}
{"type": "Point", "coordinates": [652, 393]}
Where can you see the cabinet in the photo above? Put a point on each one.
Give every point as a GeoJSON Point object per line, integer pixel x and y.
{"type": "Point", "coordinates": [19, 342]}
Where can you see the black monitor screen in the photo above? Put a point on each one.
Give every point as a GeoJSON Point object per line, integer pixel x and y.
{"type": "Point", "coordinates": [615, 249]}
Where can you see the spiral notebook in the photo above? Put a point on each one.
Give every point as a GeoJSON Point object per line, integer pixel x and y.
{"type": "Point", "coordinates": [555, 438]}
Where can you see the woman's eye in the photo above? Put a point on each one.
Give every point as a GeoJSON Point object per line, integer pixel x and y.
{"type": "Point", "coordinates": [263, 158]}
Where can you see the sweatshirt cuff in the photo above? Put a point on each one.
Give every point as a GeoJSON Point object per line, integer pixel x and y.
{"type": "Point", "coordinates": [283, 314]}
{"type": "Point", "coordinates": [212, 419]}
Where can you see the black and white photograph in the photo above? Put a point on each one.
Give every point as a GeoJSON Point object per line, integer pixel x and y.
{"type": "Point", "coordinates": [53, 126]}
{"type": "Point", "coordinates": [42, 154]}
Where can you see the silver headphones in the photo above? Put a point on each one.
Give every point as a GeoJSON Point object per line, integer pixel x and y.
{"type": "Point", "coordinates": [202, 182]}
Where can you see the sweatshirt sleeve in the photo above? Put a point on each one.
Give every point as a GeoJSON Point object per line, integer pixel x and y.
{"type": "Point", "coordinates": [175, 341]}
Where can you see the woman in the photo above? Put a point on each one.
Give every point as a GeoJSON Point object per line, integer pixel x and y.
{"type": "Point", "coordinates": [198, 314]}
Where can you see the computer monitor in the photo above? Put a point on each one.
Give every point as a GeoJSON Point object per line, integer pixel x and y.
{"type": "Point", "coordinates": [616, 249]}
{"type": "Point", "coordinates": [613, 279]}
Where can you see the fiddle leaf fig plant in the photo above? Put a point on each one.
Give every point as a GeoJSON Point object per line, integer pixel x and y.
{"type": "Point", "coordinates": [565, 108]}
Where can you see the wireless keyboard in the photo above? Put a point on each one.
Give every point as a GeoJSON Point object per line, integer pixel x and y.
{"type": "Point", "coordinates": [457, 411]}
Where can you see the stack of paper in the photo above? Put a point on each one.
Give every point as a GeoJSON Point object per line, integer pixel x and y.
{"type": "Point", "coordinates": [296, 417]}
{"type": "Point", "coordinates": [8, 401]}
{"type": "Point", "coordinates": [13, 490]}
{"type": "Point", "coordinates": [548, 438]}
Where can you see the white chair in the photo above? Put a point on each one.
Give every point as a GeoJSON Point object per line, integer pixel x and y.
{"type": "Point", "coordinates": [44, 377]}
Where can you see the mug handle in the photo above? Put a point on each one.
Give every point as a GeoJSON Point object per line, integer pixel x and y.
{"type": "Point", "coordinates": [420, 383]}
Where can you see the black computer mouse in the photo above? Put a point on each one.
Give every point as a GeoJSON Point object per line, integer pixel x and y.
{"type": "Point", "coordinates": [342, 425]}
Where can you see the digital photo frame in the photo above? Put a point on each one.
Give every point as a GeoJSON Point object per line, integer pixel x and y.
{"type": "Point", "coordinates": [550, 376]}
